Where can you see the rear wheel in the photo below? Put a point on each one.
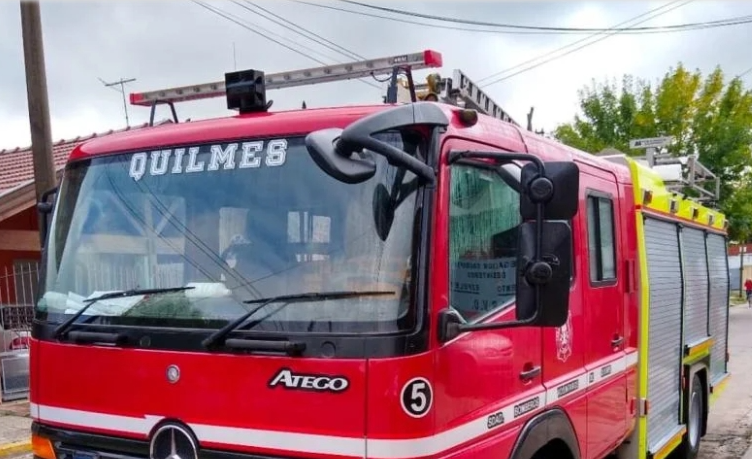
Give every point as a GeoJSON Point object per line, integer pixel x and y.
{"type": "Point", "coordinates": [690, 445]}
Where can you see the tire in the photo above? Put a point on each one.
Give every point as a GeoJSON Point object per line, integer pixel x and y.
{"type": "Point", "coordinates": [690, 445]}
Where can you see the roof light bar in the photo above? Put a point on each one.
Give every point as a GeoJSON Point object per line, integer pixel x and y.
{"type": "Point", "coordinates": [337, 72]}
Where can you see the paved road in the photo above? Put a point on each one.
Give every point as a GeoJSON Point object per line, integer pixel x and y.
{"type": "Point", "coordinates": [730, 424]}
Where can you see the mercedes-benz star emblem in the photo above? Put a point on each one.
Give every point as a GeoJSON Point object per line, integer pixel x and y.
{"type": "Point", "coordinates": [173, 373]}
{"type": "Point", "coordinates": [172, 442]}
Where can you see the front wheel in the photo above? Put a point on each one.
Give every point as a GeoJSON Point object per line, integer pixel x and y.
{"type": "Point", "coordinates": [690, 445]}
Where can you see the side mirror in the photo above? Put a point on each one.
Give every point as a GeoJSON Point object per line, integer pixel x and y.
{"type": "Point", "coordinates": [340, 152]}
{"type": "Point", "coordinates": [558, 191]}
{"type": "Point", "coordinates": [549, 197]}
{"type": "Point", "coordinates": [542, 294]}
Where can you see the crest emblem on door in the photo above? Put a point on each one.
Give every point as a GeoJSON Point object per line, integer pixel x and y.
{"type": "Point", "coordinates": [564, 340]}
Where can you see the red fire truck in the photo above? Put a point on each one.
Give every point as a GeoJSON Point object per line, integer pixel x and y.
{"type": "Point", "coordinates": [420, 278]}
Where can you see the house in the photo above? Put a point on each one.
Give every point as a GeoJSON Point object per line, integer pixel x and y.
{"type": "Point", "coordinates": [19, 230]}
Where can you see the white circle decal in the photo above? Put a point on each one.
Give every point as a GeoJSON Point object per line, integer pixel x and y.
{"type": "Point", "coordinates": [417, 397]}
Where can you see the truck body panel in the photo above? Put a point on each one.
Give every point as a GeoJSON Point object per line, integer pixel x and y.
{"type": "Point", "coordinates": [648, 296]}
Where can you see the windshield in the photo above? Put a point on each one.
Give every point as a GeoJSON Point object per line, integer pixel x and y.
{"type": "Point", "coordinates": [234, 221]}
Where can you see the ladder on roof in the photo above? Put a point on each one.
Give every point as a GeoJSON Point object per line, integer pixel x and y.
{"type": "Point", "coordinates": [677, 172]}
{"type": "Point", "coordinates": [392, 65]}
{"type": "Point", "coordinates": [458, 90]}
{"type": "Point", "coordinates": [685, 172]}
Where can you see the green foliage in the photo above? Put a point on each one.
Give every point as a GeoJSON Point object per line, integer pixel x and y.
{"type": "Point", "coordinates": [704, 114]}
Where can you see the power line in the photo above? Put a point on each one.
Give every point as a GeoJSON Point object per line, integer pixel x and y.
{"type": "Point", "coordinates": [744, 73]}
{"type": "Point", "coordinates": [528, 27]}
{"type": "Point", "coordinates": [121, 82]}
{"type": "Point", "coordinates": [255, 29]}
{"type": "Point", "coordinates": [300, 29]}
{"type": "Point", "coordinates": [625, 31]}
{"type": "Point", "coordinates": [534, 66]}
{"type": "Point", "coordinates": [574, 43]}
{"type": "Point", "coordinates": [258, 31]}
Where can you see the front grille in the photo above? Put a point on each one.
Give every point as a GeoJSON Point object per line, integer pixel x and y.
{"type": "Point", "coordinates": [74, 444]}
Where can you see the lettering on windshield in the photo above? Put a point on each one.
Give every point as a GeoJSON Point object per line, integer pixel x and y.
{"type": "Point", "coordinates": [312, 382]}
{"type": "Point", "coordinates": [238, 155]}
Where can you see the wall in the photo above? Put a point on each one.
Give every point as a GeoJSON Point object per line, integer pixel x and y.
{"type": "Point", "coordinates": [18, 243]}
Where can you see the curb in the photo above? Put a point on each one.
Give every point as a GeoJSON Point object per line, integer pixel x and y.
{"type": "Point", "coordinates": [11, 449]}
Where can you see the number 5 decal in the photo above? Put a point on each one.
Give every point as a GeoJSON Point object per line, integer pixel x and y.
{"type": "Point", "coordinates": [417, 397]}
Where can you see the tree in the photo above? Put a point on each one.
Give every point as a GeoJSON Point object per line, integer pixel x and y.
{"type": "Point", "coordinates": [706, 116]}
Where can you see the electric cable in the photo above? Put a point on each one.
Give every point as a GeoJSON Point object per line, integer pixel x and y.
{"type": "Point", "coordinates": [578, 48]}
{"type": "Point", "coordinates": [574, 43]}
{"type": "Point", "coordinates": [625, 31]}
{"type": "Point", "coordinates": [297, 28]}
{"type": "Point", "coordinates": [528, 27]}
{"type": "Point", "coordinates": [256, 29]}
{"type": "Point", "coordinates": [744, 73]}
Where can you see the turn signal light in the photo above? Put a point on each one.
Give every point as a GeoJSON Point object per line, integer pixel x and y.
{"type": "Point", "coordinates": [42, 447]}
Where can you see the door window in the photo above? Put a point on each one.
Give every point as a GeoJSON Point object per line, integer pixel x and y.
{"type": "Point", "coordinates": [601, 244]}
{"type": "Point", "coordinates": [484, 215]}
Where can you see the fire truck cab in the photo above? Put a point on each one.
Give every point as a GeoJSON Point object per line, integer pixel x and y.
{"type": "Point", "coordinates": [404, 280]}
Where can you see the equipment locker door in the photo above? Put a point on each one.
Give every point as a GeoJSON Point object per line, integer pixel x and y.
{"type": "Point", "coordinates": [719, 309]}
{"type": "Point", "coordinates": [603, 304]}
{"type": "Point", "coordinates": [665, 331]}
{"type": "Point", "coordinates": [696, 286]}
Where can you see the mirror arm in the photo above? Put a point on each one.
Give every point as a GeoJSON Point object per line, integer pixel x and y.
{"type": "Point", "coordinates": [456, 155]}
{"type": "Point", "coordinates": [461, 328]}
{"type": "Point", "coordinates": [394, 155]}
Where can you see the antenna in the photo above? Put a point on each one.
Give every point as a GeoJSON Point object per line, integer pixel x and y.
{"type": "Point", "coordinates": [121, 82]}
{"type": "Point", "coordinates": [530, 119]}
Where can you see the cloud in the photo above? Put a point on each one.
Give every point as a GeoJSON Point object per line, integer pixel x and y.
{"type": "Point", "coordinates": [171, 43]}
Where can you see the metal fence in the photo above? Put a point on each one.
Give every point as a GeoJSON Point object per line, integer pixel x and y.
{"type": "Point", "coordinates": [18, 290]}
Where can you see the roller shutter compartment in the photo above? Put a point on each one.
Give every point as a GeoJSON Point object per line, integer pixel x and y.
{"type": "Point", "coordinates": [696, 285]}
{"type": "Point", "coordinates": [719, 304]}
{"type": "Point", "coordinates": [664, 335]}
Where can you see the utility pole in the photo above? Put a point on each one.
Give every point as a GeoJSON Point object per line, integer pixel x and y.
{"type": "Point", "coordinates": [36, 92]}
{"type": "Point", "coordinates": [121, 82]}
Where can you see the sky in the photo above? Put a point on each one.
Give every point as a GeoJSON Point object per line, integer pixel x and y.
{"type": "Point", "coordinates": [166, 43]}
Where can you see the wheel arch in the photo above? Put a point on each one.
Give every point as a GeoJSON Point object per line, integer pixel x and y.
{"type": "Point", "coordinates": [701, 369]}
{"type": "Point", "coordinates": [549, 429]}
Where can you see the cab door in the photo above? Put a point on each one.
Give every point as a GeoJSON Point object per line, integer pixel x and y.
{"type": "Point", "coordinates": [603, 299]}
{"type": "Point", "coordinates": [490, 380]}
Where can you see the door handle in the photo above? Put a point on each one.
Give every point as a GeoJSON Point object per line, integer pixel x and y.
{"type": "Point", "coordinates": [616, 342]}
{"type": "Point", "coordinates": [530, 372]}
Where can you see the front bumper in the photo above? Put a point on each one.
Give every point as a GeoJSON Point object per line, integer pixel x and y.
{"type": "Point", "coordinates": [74, 444]}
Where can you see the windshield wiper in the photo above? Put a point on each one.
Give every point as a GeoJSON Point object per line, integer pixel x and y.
{"type": "Point", "coordinates": [295, 298]}
{"type": "Point", "coordinates": [65, 326]}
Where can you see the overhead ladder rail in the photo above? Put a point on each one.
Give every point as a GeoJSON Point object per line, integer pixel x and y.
{"type": "Point", "coordinates": [459, 90]}
{"type": "Point", "coordinates": [315, 75]}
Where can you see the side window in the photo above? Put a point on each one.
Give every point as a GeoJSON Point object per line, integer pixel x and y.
{"type": "Point", "coordinates": [483, 218]}
{"type": "Point", "coordinates": [601, 245]}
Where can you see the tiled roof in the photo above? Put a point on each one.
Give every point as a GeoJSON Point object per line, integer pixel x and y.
{"type": "Point", "coordinates": [17, 166]}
